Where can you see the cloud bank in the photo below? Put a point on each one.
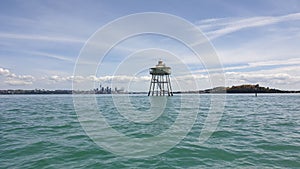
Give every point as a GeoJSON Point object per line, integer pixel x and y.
{"type": "Point", "coordinates": [16, 80]}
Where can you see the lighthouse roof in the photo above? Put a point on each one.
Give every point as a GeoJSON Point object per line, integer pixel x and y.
{"type": "Point", "coordinates": [160, 69]}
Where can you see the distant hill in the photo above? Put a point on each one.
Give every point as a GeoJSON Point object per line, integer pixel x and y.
{"type": "Point", "coordinates": [247, 88]}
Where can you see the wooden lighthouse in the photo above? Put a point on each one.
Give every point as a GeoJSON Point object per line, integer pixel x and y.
{"type": "Point", "coordinates": [160, 84]}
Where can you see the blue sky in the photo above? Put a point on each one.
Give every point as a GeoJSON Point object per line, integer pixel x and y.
{"type": "Point", "coordinates": [256, 41]}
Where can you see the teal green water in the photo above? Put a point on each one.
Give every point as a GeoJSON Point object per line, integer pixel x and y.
{"type": "Point", "coordinates": [42, 131]}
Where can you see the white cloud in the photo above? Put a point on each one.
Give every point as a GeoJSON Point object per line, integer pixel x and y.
{"type": "Point", "coordinates": [271, 63]}
{"type": "Point", "coordinates": [104, 79]}
{"type": "Point", "coordinates": [54, 56]}
{"type": "Point", "coordinates": [220, 27]}
{"type": "Point", "coordinates": [16, 80]}
{"type": "Point", "coordinates": [40, 37]}
{"type": "Point", "coordinates": [58, 79]}
{"type": "Point", "coordinates": [4, 72]}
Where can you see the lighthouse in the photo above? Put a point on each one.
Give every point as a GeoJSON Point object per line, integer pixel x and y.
{"type": "Point", "coordinates": [160, 84]}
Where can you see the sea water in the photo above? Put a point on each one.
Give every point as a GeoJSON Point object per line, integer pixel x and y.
{"type": "Point", "coordinates": [44, 131]}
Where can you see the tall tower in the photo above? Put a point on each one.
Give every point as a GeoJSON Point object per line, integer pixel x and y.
{"type": "Point", "coordinates": [160, 84]}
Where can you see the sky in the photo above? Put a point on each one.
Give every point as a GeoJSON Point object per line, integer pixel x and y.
{"type": "Point", "coordinates": [257, 42]}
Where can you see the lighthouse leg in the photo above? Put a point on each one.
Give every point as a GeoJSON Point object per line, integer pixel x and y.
{"type": "Point", "coordinates": [153, 85]}
{"type": "Point", "coordinates": [170, 93]}
{"type": "Point", "coordinates": [163, 85]}
{"type": "Point", "coordinates": [150, 86]}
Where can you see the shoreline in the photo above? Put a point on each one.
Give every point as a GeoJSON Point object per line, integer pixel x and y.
{"type": "Point", "coordinates": [241, 89]}
{"type": "Point", "coordinates": [145, 93]}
